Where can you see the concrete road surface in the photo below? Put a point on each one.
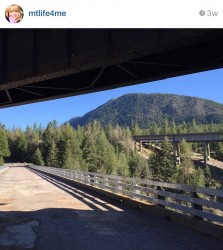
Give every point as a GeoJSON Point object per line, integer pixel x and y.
{"type": "Point", "coordinates": [37, 212]}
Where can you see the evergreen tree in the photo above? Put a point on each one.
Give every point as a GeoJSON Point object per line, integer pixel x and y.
{"type": "Point", "coordinates": [77, 151]}
{"type": "Point", "coordinates": [98, 153]}
{"type": "Point", "coordinates": [162, 163]}
{"type": "Point", "coordinates": [154, 130]}
{"type": "Point", "coordinates": [21, 147]}
{"type": "Point", "coordinates": [122, 165]}
{"type": "Point", "coordinates": [33, 142]}
{"type": "Point", "coordinates": [66, 147]}
{"type": "Point", "coordinates": [51, 136]}
{"type": "Point", "coordinates": [165, 128]}
{"type": "Point", "coordinates": [139, 167]}
{"type": "Point", "coordinates": [135, 129]}
{"type": "Point", "coordinates": [90, 154]}
{"type": "Point", "coordinates": [37, 158]}
{"type": "Point", "coordinates": [52, 154]}
{"type": "Point", "coordinates": [207, 174]}
{"type": "Point", "coordinates": [173, 129]}
{"type": "Point", "coordinates": [4, 146]}
{"type": "Point", "coordinates": [182, 128]}
{"type": "Point", "coordinates": [219, 150]}
{"type": "Point", "coordinates": [186, 165]}
{"type": "Point", "coordinates": [193, 127]}
{"type": "Point", "coordinates": [198, 178]}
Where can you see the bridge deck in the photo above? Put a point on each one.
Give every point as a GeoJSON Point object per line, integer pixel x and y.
{"type": "Point", "coordinates": [37, 212]}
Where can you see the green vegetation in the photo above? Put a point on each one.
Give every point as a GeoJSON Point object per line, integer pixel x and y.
{"type": "Point", "coordinates": [107, 150]}
{"type": "Point", "coordinates": [162, 163]}
{"type": "Point", "coordinates": [88, 148]}
{"type": "Point", "coordinates": [104, 144]}
{"type": "Point", "coordinates": [4, 147]}
{"type": "Point", "coordinates": [146, 109]}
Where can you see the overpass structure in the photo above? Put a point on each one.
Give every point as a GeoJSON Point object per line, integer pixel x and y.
{"type": "Point", "coordinates": [175, 139]}
{"type": "Point", "coordinates": [38, 65]}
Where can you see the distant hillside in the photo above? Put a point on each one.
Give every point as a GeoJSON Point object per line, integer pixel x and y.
{"type": "Point", "coordinates": [148, 108]}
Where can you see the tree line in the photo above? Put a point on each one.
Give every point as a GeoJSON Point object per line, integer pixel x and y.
{"type": "Point", "coordinates": [108, 150]}
{"type": "Point", "coordinates": [89, 148]}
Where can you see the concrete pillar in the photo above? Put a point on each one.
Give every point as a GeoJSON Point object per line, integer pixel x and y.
{"type": "Point", "coordinates": [176, 152]}
{"type": "Point", "coordinates": [175, 149]}
{"type": "Point", "coordinates": [140, 146]}
{"type": "Point", "coordinates": [208, 151]}
{"type": "Point", "coordinates": [135, 146]}
{"type": "Point", "coordinates": [205, 153]}
{"type": "Point", "coordinates": [118, 186]}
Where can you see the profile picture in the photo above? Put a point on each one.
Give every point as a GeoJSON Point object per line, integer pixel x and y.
{"type": "Point", "coordinates": [14, 13]}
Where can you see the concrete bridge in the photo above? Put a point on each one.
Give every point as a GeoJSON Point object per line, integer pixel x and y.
{"type": "Point", "coordinates": [39, 211]}
{"type": "Point", "coordinates": [175, 139]}
{"type": "Point", "coordinates": [37, 65]}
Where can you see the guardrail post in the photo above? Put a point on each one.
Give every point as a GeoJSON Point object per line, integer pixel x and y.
{"type": "Point", "coordinates": [87, 178]}
{"type": "Point", "coordinates": [103, 182]}
{"type": "Point", "coordinates": [106, 183]}
{"type": "Point", "coordinates": [197, 206]}
{"type": "Point", "coordinates": [75, 176]}
{"type": "Point", "coordinates": [136, 191]}
{"type": "Point", "coordinates": [82, 177]}
{"type": "Point", "coordinates": [132, 189]}
{"type": "Point", "coordinates": [69, 174]}
{"type": "Point", "coordinates": [118, 187]}
{"type": "Point", "coordinates": [96, 182]}
{"type": "Point", "coordinates": [160, 197]}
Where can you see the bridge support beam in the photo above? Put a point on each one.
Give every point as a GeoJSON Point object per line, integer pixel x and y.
{"type": "Point", "coordinates": [135, 146]}
{"type": "Point", "coordinates": [206, 152]}
{"type": "Point", "coordinates": [176, 153]}
{"type": "Point", "coordinates": [140, 147]}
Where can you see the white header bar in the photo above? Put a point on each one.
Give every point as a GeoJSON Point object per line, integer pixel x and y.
{"type": "Point", "coordinates": [112, 14]}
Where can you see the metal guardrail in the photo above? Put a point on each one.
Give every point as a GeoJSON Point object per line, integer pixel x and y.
{"type": "Point", "coordinates": [198, 202]}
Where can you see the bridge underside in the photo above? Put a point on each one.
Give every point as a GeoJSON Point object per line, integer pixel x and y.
{"type": "Point", "coordinates": [37, 65]}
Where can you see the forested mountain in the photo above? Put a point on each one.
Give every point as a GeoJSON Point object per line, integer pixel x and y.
{"type": "Point", "coordinates": [146, 109]}
{"type": "Point", "coordinates": [109, 149]}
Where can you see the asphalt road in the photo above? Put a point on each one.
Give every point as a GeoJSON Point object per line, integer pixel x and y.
{"type": "Point", "coordinates": [37, 212]}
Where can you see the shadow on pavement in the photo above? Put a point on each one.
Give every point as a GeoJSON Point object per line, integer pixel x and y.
{"type": "Point", "coordinates": [105, 225]}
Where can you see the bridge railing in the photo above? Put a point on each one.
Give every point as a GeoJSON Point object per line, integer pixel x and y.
{"type": "Point", "coordinates": [199, 202]}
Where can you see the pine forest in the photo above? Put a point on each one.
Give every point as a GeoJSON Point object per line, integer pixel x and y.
{"type": "Point", "coordinates": [110, 149]}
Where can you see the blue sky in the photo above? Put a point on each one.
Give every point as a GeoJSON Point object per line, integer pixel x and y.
{"type": "Point", "coordinates": [208, 85]}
